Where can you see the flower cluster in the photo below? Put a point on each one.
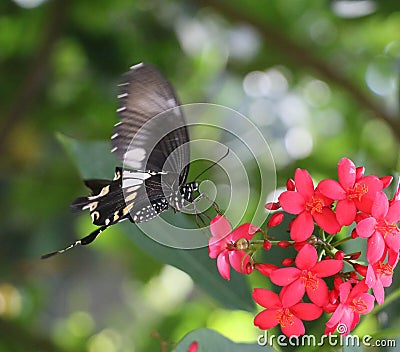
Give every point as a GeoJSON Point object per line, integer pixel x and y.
{"type": "Point", "coordinates": [320, 213]}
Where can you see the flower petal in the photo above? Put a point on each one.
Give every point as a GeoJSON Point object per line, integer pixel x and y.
{"type": "Point", "coordinates": [366, 227]}
{"type": "Point", "coordinates": [331, 189]}
{"type": "Point", "coordinates": [215, 248]}
{"type": "Point", "coordinates": [306, 311]}
{"type": "Point", "coordinates": [239, 260]}
{"type": "Point", "coordinates": [304, 183]}
{"type": "Point", "coordinates": [370, 278]}
{"type": "Point", "coordinates": [375, 247]}
{"type": "Point", "coordinates": [346, 212]}
{"type": "Point", "coordinates": [319, 295]}
{"type": "Point", "coordinates": [393, 214]}
{"type": "Point", "coordinates": [346, 173]}
{"type": "Point", "coordinates": [293, 293]}
{"type": "Point", "coordinates": [336, 316]}
{"type": "Point", "coordinates": [266, 319]}
{"type": "Point", "coordinates": [284, 276]}
{"type": "Point", "coordinates": [302, 227]}
{"type": "Point", "coordinates": [327, 221]}
{"type": "Point", "coordinates": [223, 265]}
{"type": "Point", "coordinates": [292, 202]}
{"type": "Point", "coordinates": [379, 292]}
{"type": "Point", "coordinates": [380, 206]}
{"type": "Point", "coordinates": [327, 267]}
{"type": "Point", "coordinates": [307, 257]}
{"type": "Point", "coordinates": [246, 231]}
{"type": "Point", "coordinates": [344, 291]}
{"type": "Point", "coordinates": [219, 227]}
{"type": "Point", "coordinates": [266, 298]}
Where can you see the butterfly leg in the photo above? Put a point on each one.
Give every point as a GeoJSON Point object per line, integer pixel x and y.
{"type": "Point", "coordinates": [212, 203]}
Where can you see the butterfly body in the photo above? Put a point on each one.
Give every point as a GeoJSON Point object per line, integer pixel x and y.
{"type": "Point", "coordinates": [111, 203]}
{"type": "Point", "coordinates": [152, 136]}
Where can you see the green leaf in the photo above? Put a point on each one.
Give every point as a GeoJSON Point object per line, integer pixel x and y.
{"type": "Point", "coordinates": [94, 160]}
{"type": "Point", "coordinates": [210, 341]}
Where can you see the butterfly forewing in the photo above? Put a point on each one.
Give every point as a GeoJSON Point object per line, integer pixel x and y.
{"type": "Point", "coordinates": [152, 127]}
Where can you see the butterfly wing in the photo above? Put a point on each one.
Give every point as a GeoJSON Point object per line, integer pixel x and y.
{"type": "Point", "coordinates": [109, 203]}
{"type": "Point", "coordinates": [150, 136]}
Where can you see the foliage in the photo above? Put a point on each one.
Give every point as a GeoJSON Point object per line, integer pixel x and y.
{"type": "Point", "coordinates": [318, 84]}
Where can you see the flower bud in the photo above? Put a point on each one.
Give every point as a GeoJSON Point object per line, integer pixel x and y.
{"type": "Point", "coordinates": [354, 256]}
{"type": "Point", "coordinates": [299, 245]}
{"type": "Point", "coordinates": [287, 261]}
{"type": "Point", "coordinates": [361, 269]}
{"type": "Point", "coordinates": [275, 219]}
{"type": "Point", "coordinates": [284, 244]}
{"type": "Point", "coordinates": [272, 206]}
{"type": "Point", "coordinates": [333, 296]}
{"type": "Point", "coordinates": [359, 172]}
{"type": "Point", "coordinates": [249, 268]}
{"type": "Point", "coordinates": [339, 255]}
{"type": "Point", "coordinates": [386, 180]}
{"type": "Point", "coordinates": [354, 234]}
{"type": "Point", "coordinates": [267, 245]}
{"type": "Point", "coordinates": [194, 346]}
{"type": "Point", "coordinates": [290, 185]}
{"type": "Point", "coordinates": [353, 275]}
{"type": "Point", "coordinates": [265, 268]}
{"type": "Point", "coordinates": [337, 281]}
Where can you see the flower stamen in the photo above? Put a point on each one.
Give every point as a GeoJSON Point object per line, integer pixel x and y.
{"type": "Point", "coordinates": [284, 317]}
{"type": "Point", "coordinates": [310, 280]}
{"type": "Point", "coordinates": [386, 228]}
{"type": "Point", "coordinates": [358, 305]}
{"type": "Point", "coordinates": [315, 205]}
{"type": "Point", "coordinates": [357, 191]}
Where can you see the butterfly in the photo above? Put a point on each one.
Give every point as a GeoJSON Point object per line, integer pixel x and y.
{"type": "Point", "coordinates": [152, 141]}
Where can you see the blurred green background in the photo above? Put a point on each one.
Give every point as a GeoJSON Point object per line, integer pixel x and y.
{"type": "Point", "coordinates": [319, 79]}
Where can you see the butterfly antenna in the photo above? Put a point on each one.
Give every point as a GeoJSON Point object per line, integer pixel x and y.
{"type": "Point", "coordinates": [82, 242]}
{"type": "Point", "coordinates": [213, 164]}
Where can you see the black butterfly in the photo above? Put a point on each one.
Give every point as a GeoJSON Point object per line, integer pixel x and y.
{"type": "Point", "coordinates": [152, 140]}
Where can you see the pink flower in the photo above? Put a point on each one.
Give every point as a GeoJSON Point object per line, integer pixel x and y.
{"type": "Point", "coordinates": [306, 277]}
{"type": "Point", "coordinates": [288, 317]}
{"type": "Point", "coordinates": [353, 302]}
{"type": "Point", "coordinates": [379, 275]}
{"type": "Point", "coordinates": [310, 205]}
{"type": "Point", "coordinates": [223, 245]}
{"type": "Point", "coordinates": [381, 229]}
{"type": "Point", "coordinates": [352, 194]}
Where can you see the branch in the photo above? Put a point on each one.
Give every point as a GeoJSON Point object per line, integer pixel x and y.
{"type": "Point", "coordinates": [35, 78]}
{"type": "Point", "coordinates": [305, 57]}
